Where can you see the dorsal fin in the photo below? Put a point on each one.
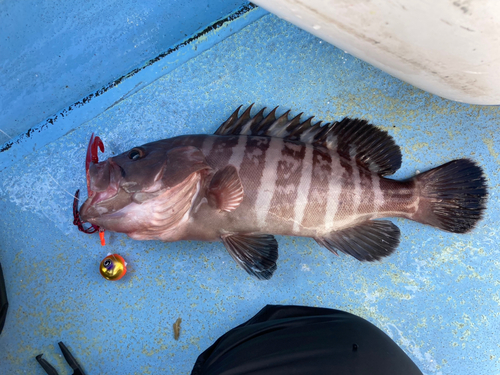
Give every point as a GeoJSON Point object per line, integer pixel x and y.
{"type": "Point", "coordinates": [354, 139]}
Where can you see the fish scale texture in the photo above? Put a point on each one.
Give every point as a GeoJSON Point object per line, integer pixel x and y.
{"type": "Point", "coordinates": [437, 296]}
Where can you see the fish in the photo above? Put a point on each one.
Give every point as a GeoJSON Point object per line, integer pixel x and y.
{"type": "Point", "coordinates": [264, 175]}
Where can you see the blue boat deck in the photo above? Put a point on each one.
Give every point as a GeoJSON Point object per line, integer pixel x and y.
{"type": "Point", "coordinates": [438, 296]}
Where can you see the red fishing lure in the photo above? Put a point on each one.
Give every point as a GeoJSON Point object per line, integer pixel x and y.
{"type": "Point", "coordinates": [95, 144]}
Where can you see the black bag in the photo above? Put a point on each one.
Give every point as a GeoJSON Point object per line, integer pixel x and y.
{"type": "Point", "coordinates": [290, 340]}
{"type": "Point", "coordinates": [3, 300]}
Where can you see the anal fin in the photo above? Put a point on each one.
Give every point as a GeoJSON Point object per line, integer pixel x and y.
{"type": "Point", "coordinates": [368, 241]}
{"type": "Point", "coordinates": [255, 253]}
{"type": "Point", "coordinates": [226, 191]}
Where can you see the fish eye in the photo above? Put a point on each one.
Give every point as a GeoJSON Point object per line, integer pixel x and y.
{"type": "Point", "coordinates": [107, 263]}
{"type": "Point", "coordinates": [135, 154]}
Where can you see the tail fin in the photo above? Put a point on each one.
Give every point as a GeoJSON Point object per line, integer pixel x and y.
{"type": "Point", "coordinates": [452, 196]}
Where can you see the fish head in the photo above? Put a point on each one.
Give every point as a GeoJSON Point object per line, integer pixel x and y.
{"type": "Point", "coordinates": [147, 187]}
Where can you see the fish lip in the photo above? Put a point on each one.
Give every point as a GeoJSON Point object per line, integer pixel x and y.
{"type": "Point", "coordinates": [97, 198]}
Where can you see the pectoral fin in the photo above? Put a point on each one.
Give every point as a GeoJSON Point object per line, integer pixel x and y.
{"type": "Point", "coordinates": [369, 241]}
{"type": "Point", "coordinates": [226, 191]}
{"type": "Point", "coordinates": [255, 253]}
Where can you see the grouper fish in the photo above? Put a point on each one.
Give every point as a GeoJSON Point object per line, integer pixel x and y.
{"type": "Point", "coordinates": [265, 175]}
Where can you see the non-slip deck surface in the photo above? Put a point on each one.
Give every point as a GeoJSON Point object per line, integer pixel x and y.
{"type": "Point", "coordinates": [437, 296]}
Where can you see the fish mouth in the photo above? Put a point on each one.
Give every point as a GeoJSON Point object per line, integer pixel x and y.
{"type": "Point", "coordinates": [104, 183]}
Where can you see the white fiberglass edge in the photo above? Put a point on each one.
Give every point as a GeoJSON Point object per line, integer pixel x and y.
{"type": "Point", "coordinates": [448, 48]}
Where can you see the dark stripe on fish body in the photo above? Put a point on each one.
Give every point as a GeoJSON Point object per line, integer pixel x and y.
{"type": "Point", "coordinates": [345, 207]}
{"type": "Point", "coordinates": [288, 174]}
{"type": "Point", "coordinates": [317, 197]}
{"type": "Point", "coordinates": [367, 204]}
{"type": "Point", "coordinates": [398, 196]}
{"type": "Point", "coordinates": [222, 150]}
{"type": "Point", "coordinates": [252, 167]}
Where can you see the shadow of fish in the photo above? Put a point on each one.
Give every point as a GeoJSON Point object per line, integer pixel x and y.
{"type": "Point", "coordinates": [260, 176]}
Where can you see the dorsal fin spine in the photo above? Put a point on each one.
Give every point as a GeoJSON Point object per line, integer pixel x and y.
{"type": "Point", "coordinates": [228, 123]}
{"type": "Point", "coordinates": [239, 123]}
{"type": "Point", "coordinates": [268, 119]}
{"type": "Point", "coordinates": [247, 129]}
